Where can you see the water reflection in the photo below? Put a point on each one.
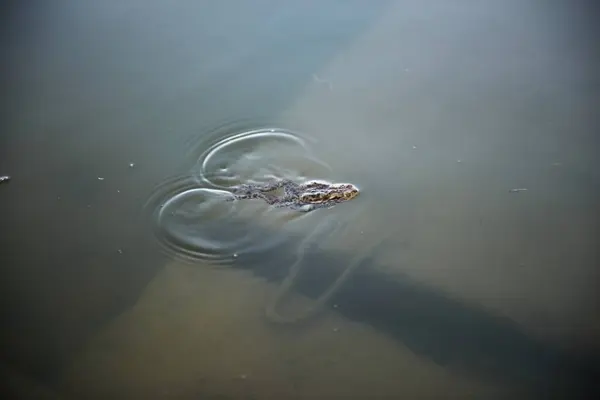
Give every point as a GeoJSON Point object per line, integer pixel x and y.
{"type": "Point", "coordinates": [190, 214]}
{"type": "Point", "coordinates": [193, 219]}
{"type": "Point", "coordinates": [396, 92]}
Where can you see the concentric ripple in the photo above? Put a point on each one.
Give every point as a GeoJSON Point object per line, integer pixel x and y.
{"type": "Point", "coordinates": [257, 156]}
{"type": "Point", "coordinates": [193, 222]}
{"type": "Point", "coordinates": [191, 216]}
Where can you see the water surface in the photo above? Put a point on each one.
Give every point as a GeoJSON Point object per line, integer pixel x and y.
{"type": "Point", "coordinates": [435, 109]}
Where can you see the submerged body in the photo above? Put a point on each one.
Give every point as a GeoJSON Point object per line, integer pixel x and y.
{"type": "Point", "coordinates": [302, 197]}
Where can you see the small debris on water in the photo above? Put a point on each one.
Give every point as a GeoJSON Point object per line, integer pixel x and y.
{"type": "Point", "coordinates": [119, 251]}
{"type": "Point", "coordinates": [4, 178]}
{"type": "Point", "coordinates": [459, 160]}
{"type": "Point", "coordinates": [335, 306]}
{"type": "Point", "coordinates": [131, 165]}
{"type": "Point", "coordinates": [235, 255]}
{"type": "Point", "coordinates": [100, 178]}
{"type": "Point", "coordinates": [414, 147]}
{"type": "Point", "coordinates": [335, 329]}
{"type": "Point", "coordinates": [243, 376]}
{"type": "Point", "coordinates": [517, 190]}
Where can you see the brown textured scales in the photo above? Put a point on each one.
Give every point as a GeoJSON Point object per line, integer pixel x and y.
{"type": "Point", "coordinates": [302, 197]}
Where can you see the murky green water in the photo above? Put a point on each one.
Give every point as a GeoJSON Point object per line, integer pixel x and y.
{"type": "Point", "coordinates": [126, 275]}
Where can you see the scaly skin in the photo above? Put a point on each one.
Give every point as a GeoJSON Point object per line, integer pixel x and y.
{"type": "Point", "coordinates": [301, 197]}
